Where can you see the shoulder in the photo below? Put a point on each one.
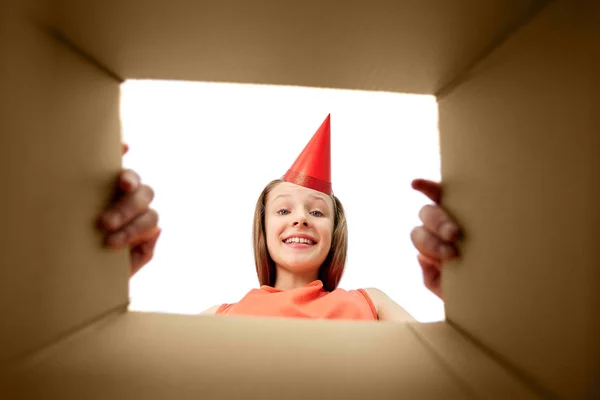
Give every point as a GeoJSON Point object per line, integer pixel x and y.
{"type": "Point", "coordinates": [387, 309]}
{"type": "Point", "coordinates": [377, 296]}
{"type": "Point", "coordinates": [375, 293]}
{"type": "Point", "coordinates": [225, 308]}
{"type": "Point", "coordinates": [211, 311]}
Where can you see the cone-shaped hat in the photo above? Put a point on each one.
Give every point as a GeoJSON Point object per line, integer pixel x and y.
{"type": "Point", "coordinates": [312, 168]}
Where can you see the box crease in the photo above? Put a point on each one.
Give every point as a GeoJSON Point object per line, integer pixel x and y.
{"type": "Point", "coordinates": [99, 321]}
{"type": "Point", "coordinates": [89, 58]}
{"type": "Point", "coordinates": [443, 364]}
{"type": "Point", "coordinates": [447, 87]}
{"type": "Point", "coordinates": [502, 363]}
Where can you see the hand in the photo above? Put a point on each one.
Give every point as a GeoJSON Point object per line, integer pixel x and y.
{"type": "Point", "coordinates": [129, 221]}
{"type": "Point", "coordinates": [436, 238]}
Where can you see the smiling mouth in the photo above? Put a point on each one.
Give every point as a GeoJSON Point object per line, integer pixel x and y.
{"type": "Point", "coordinates": [296, 240]}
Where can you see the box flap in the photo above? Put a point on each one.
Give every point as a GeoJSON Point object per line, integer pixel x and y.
{"type": "Point", "coordinates": [59, 159]}
{"type": "Point", "coordinates": [154, 356]}
{"type": "Point", "coordinates": [520, 149]}
{"type": "Point", "coordinates": [402, 46]}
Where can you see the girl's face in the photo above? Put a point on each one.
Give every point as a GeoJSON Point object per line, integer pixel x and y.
{"type": "Point", "coordinates": [298, 227]}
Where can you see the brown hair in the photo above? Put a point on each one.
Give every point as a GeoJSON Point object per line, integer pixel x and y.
{"type": "Point", "coordinates": [332, 268]}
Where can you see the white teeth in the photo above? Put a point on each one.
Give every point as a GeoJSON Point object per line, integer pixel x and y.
{"type": "Point", "coordinates": [299, 240]}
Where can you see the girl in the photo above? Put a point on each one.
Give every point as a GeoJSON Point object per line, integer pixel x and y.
{"type": "Point", "coordinates": [300, 242]}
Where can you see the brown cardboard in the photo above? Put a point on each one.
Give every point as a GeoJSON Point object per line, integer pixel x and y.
{"type": "Point", "coordinates": [60, 154]}
{"type": "Point", "coordinates": [153, 356]}
{"type": "Point", "coordinates": [522, 302]}
{"type": "Point", "coordinates": [471, 365]}
{"type": "Point", "coordinates": [403, 46]}
{"type": "Point", "coordinates": [520, 137]}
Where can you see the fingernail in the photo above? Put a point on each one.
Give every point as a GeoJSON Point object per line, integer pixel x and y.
{"type": "Point", "coordinates": [448, 231]}
{"type": "Point", "coordinates": [113, 220]}
{"type": "Point", "coordinates": [117, 239]}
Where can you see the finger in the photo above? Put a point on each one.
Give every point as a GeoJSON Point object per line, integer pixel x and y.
{"type": "Point", "coordinates": [142, 253]}
{"type": "Point", "coordinates": [147, 234]}
{"type": "Point", "coordinates": [431, 275]}
{"type": "Point", "coordinates": [437, 221]}
{"type": "Point", "coordinates": [129, 180]}
{"type": "Point", "coordinates": [431, 189]}
{"type": "Point", "coordinates": [129, 207]}
{"type": "Point", "coordinates": [142, 228]}
{"type": "Point", "coordinates": [124, 148]}
{"type": "Point", "coordinates": [431, 246]}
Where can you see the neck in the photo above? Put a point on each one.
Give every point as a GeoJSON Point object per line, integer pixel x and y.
{"type": "Point", "coordinates": [285, 280]}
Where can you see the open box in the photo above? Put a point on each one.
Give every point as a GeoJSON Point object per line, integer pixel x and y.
{"type": "Point", "coordinates": [516, 83]}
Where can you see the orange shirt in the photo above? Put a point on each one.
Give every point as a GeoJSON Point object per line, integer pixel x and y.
{"type": "Point", "coordinates": [310, 301]}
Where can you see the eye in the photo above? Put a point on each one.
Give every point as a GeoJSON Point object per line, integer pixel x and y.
{"type": "Point", "coordinates": [317, 213]}
{"type": "Point", "coordinates": [283, 211]}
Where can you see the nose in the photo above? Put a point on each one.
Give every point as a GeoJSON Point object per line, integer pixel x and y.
{"type": "Point", "coordinates": [300, 221]}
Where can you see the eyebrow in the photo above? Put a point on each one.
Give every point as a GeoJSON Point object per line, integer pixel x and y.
{"type": "Point", "coordinates": [314, 196]}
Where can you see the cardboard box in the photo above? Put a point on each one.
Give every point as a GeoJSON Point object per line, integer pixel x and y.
{"type": "Point", "coordinates": [516, 83]}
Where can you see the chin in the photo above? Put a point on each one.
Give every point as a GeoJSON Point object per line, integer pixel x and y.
{"type": "Point", "coordinates": [300, 265]}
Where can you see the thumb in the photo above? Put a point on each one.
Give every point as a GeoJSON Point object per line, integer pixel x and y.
{"type": "Point", "coordinates": [431, 189]}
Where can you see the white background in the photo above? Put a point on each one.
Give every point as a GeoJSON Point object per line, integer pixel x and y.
{"type": "Point", "coordinates": [209, 149]}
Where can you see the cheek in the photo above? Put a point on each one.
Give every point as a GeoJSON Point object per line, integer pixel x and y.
{"type": "Point", "coordinates": [326, 234]}
{"type": "Point", "coordinates": [271, 231]}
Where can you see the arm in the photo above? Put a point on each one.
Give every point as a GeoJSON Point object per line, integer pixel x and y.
{"type": "Point", "coordinates": [388, 309]}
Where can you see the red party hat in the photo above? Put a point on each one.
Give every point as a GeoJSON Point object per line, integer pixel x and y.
{"type": "Point", "coordinates": [312, 168]}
